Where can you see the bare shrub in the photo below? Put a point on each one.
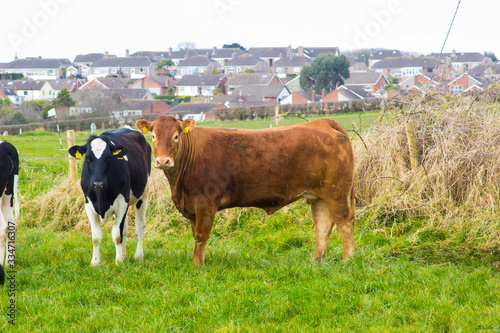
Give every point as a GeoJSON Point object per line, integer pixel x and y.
{"type": "Point", "coordinates": [457, 182]}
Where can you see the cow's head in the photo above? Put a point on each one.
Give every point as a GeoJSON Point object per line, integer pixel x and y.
{"type": "Point", "coordinates": [167, 136]}
{"type": "Point", "coordinates": [99, 156]}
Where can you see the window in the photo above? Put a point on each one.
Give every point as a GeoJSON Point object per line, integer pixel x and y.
{"type": "Point", "coordinates": [296, 69]}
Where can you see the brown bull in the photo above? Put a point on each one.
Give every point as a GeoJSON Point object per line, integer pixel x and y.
{"type": "Point", "coordinates": [211, 169]}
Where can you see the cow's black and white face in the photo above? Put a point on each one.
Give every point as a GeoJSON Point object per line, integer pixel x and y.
{"type": "Point", "coordinates": [99, 160]}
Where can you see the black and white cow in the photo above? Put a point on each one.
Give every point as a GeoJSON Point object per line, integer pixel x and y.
{"type": "Point", "coordinates": [115, 175]}
{"type": "Point", "coordinates": [9, 206]}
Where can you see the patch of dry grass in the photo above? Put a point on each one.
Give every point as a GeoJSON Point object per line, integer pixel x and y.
{"type": "Point", "coordinates": [456, 184]}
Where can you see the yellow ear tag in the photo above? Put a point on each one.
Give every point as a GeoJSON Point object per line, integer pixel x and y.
{"type": "Point", "coordinates": [186, 129]}
{"type": "Point", "coordinates": [78, 155]}
{"type": "Point", "coordinates": [116, 152]}
{"type": "Point", "coordinates": [145, 130]}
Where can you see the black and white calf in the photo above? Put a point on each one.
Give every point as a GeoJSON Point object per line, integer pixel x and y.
{"type": "Point", "coordinates": [115, 175]}
{"type": "Point", "coordinates": [9, 206]}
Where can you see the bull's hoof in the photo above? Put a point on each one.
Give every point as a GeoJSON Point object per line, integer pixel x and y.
{"type": "Point", "coordinates": [94, 263]}
{"type": "Point", "coordinates": [198, 262]}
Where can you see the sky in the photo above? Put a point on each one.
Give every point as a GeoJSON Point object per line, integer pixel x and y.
{"type": "Point", "coordinates": [66, 28]}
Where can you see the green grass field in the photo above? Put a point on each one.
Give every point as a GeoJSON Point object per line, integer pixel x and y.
{"type": "Point", "coordinates": [259, 274]}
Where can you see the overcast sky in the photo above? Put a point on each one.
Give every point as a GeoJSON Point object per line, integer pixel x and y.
{"type": "Point", "coordinates": [66, 28]}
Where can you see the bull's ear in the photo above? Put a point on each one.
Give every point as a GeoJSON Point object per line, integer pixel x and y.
{"type": "Point", "coordinates": [187, 125]}
{"type": "Point", "coordinates": [77, 151]}
{"type": "Point", "coordinates": [144, 126]}
{"type": "Point", "coordinates": [120, 151]}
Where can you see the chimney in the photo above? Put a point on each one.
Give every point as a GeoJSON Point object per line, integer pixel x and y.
{"type": "Point", "coordinates": [170, 51]}
{"type": "Point", "coordinates": [106, 54]}
{"type": "Point", "coordinates": [323, 94]}
{"type": "Point", "coordinates": [301, 51]}
{"type": "Point", "coordinates": [313, 96]}
{"type": "Point", "coordinates": [214, 50]}
{"type": "Point", "coordinates": [281, 55]}
{"type": "Point", "coordinates": [15, 56]}
{"type": "Point", "coordinates": [234, 55]}
{"type": "Point", "coordinates": [454, 53]}
{"type": "Point", "coordinates": [127, 53]}
{"type": "Point", "coordinates": [336, 85]}
{"type": "Point", "coordinates": [240, 99]}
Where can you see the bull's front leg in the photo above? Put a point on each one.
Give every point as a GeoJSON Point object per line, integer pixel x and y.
{"type": "Point", "coordinates": [95, 226]}
{"type": "Point", "coordinates": [201, 233]}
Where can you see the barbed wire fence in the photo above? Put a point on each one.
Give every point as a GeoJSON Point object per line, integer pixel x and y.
{"type": "Point", "coordinates": [359, 132]}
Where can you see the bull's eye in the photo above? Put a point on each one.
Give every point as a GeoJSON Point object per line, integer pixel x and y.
{"type": "Point", "coordinates": [176, 137]}
{"type": "Point", "coordinates": [153, 137]}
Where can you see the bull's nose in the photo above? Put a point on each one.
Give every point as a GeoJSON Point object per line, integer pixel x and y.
{"type": "Point", "coordinates": [164, 162]}
{"type": "Point", "coordinates": [98, 185]}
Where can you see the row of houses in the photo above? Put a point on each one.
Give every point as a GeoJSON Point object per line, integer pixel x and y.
{"type": "Point", "coordinates": [280, 60]}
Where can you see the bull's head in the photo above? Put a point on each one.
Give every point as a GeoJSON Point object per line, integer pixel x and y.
{"type": "Point", "coordinates": [98, 157]}
{"type": "Point", "coordinates": [167, 133]}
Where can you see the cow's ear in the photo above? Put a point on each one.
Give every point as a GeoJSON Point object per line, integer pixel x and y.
{"type": "Point", "coordinates": [120, 151]}
{"type": "Point", "coordinates": [187, 125]}
{"type": "Point", "coordinates": [144, 126]}
{"type": "Point", "coordinates": [77, 151]}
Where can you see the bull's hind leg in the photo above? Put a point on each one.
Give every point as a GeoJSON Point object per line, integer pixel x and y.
{"type": "Point", "coordinates": [343, 216]}
{"type": "Point", "coordinates": [140, 222]}
{"type": "Point", "coordinates": [324, 224]}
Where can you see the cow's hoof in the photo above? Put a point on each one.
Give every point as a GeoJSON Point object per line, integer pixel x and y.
{"type": "Point", "coordinates": [139, 256]}
{"type": "Point", "coordinates": [94, 263]}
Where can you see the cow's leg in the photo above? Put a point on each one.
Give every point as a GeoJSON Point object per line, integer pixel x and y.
{"type": "Point", "coordinates": [324, 223]}
{"type": "Point", "coordinates": [343, 216]}
{"type": "Point", "coordinates": [124, 228]}
{"type": "Point", "coordinates": [201, 233]}
{"type": "Point", "coordinates": [9, 229]}
{"type": "Point", "coordinates": [95, 225]}
{"type": "Point", "coordinates": [3, 235]}
{"type": "Point", "coordinates": [140, 222]}
{"type": "Point", "coordinates": [117, 234]}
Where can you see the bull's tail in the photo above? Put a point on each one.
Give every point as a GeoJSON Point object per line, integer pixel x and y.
{"type": "Point", "coordinates": [353, 201]}
{"type": "Point", "coordinates": [336, 126]}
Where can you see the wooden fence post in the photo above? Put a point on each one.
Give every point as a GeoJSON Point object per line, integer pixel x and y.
{"type": "Point", "coordinates": [277, 115]}
{"type": "Point", "coordinates": [73, 173]}
{"type": "Point", "coordinates": [412, 146]}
